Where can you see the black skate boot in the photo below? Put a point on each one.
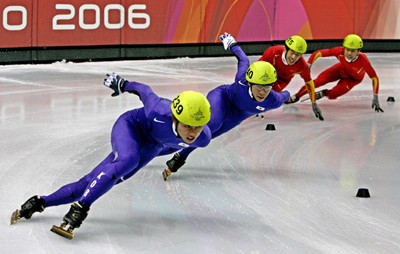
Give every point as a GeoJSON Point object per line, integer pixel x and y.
{"type": "Point", "coordinates": [32, 205]}
{"type": "Point", "coordinates": [74, 218]}
{"type": "Point", "coordinates": [320, 94]}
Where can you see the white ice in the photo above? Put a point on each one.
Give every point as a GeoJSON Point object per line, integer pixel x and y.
{"type": "Point", "coordinates": [292, 190]}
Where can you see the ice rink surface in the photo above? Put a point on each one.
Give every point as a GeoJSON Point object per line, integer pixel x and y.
{"type": "Point", "coordinates": [253, 191]}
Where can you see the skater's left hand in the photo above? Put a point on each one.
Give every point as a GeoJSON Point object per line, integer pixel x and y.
{"type": "Point", "coordinates": [228, 41]}
{"type": "Point", "coordinates": [116, 83]}
{"type": "Point", "coordinates": [375, 104]}
{"type": "Point", "coordinates": [317, 111]}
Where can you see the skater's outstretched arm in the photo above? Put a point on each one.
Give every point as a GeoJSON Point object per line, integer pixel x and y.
{"type": "Point", "coordinates": [243, 61]}
{"type": "Point", "coordinates": [375, 87]}
{"type": "Point", "coordinates": [121, 85]}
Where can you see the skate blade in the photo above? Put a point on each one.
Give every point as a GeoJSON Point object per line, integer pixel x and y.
{"type": "Point", "coordinates": [14, 217]}
{"type": "Point", "coordinates": [62, 232]}
{"type": "Point", "coordinates": [166, 173]}
{"type": "Point", "coordinates": [306, 99]}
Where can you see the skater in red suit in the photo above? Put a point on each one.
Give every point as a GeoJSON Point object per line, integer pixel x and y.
{"type": "Point", "coordinates": [349, 72]}
{"type": "Point", "coordinates": [288, 61]}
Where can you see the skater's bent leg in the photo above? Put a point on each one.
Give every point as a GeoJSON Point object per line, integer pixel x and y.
{"type": "Point", "coordinates": [67, 194]}
{"type": "Point", "coordinates": [72, 192]}
{"type": "Point", "coordinates": [108, 177]}
{"type": "Point", "coordinates": [131, 153]}
{"type": "Point", "coordinates": [303, 91]}
{"type": "Point", "coordinates": [329, 75]}
{"type": "Point", "coordinates": [343, 87]}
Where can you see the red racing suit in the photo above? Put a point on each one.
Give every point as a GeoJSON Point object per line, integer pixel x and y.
{"type": "Point", "coordinates": [286, 72]}
{"type": "Point", "coordinates": [349, 74]}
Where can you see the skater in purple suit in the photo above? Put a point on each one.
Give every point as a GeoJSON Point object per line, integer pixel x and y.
{"type": "Point", "coordinates": [137, 137]}
{"type": "Point", "coordinates": [249, 95]}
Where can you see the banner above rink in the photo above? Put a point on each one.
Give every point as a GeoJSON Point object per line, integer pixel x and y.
{"type": "Point", "coordinates": [46, 23]}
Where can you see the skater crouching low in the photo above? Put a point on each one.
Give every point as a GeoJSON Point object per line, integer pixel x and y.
{"type": "Point", "coordinates": [137, 137]}
{"type": "Point", "coordinates": [251, 94]}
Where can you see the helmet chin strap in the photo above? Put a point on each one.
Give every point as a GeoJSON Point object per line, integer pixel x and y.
{"type": "Point", "coordinates": [284, 58]}
{"type": "Point", "coordinates": [175, 128]}
{"type": "Point", "coordinates": [251, 93]}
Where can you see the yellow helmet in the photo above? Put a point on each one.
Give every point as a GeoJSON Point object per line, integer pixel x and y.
{"type": "Point", "coordinates": [262, 73]}
{"type": "Point", "coordinates": [353, 41]}
{"type": "Point", "coordinates": [191, 108]}
{"type": "Point", "coordinates": [297, 44]}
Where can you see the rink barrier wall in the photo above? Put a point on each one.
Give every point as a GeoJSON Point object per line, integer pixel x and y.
{"type": "Point", "coordinates": [35, 55]}
{"type": "Point", "coordinates": [40, 31]}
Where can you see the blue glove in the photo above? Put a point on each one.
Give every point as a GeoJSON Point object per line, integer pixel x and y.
{"type": "Point", "coordinates": [228, 41]}
{"type": "Point", "coordinates": [116, 83]}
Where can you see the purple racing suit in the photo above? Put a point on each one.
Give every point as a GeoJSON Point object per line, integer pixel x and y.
{"type": "Point", "coordinates": [137, 137]}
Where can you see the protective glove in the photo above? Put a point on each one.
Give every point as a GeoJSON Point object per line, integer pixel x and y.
{"type": "Point", "coordinates": [176, 162]}
{"type": "Point", "coordinates": [173, 165]}
{"type": "Point", "coordinates": [116, 83]}
{"type": "Point", "coordinates": [317, 111]}
{"type": "Point", "coordinates": [375, 104]}
{"type": "Point", "coordinates": [309, 67]}
{"type": "Point", "coordinates": [228, 41]}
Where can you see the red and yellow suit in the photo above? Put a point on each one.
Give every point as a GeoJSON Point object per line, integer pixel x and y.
{"type": "Point", "coordinates": [348, 73]}
{"type": "Point", "coordinates": [286, 72]}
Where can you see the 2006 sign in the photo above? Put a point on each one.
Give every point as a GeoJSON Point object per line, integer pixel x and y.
{"type": "Point", "coordinates": [131, 16]}
{"type": "Point", "coordinates": [56, 26]}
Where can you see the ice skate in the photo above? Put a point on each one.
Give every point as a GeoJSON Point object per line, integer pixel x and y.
{"type": "Point", "coordinates": [320, 94]}
{"type": "Point", "coordinates": [73, 219]}
{"type": "Point", "coordinates": [32, 205]}
{"type": "Point", "coordinates": [292, 99]}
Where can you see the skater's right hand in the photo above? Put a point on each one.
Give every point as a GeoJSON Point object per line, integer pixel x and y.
{"type": "Point", "coordinates": [228, 41]}
{"type": "Point", "coordinates": [116, 83]}
{"type": "Point", "coordinates": [317, 111]}
{"type": "Point", "coordinates": [375, 104]}
{"type": "Point", "coordinates": [176, 162]}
